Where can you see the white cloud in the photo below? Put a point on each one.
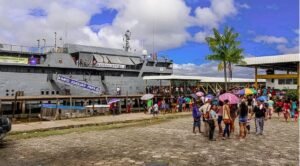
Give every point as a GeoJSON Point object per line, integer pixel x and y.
{"type": "Point", "coordinates": [200, 36]}
{"type": "Point", "coordinates": [18, 26]}
{"type": "Point", "coordinates": [282, 44]}
{"type": "Point", "coordinates": [270, 39]}
{"type": "Point", "coordinates": [210, 69]}
{"type": "Point", "coordinates": [164, 22]}
{"type": "Point", "coordinates": [288, 50]}
{"type": "Point", "coordinates": [211, 17]}
{"type": "Point", "coordinates": [244, 5]}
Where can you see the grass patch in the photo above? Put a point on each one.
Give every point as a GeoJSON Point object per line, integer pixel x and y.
{"type": "Point", "coordinates": [92, 127]}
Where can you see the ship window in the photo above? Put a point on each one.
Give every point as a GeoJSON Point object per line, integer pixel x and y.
{"type": "Point", "coordinates": [53, 92]}
{"type": "Point", "coordinates": [12, 94]}
{"type": "Point", "coordinates": [7, 90]}
{"type": "Point", "coordinates": [6, 94]}
{"type": "Point", "coordinates": [12, 90]}
{"type": "Point", "coordinates": [150, 64]}
{"type": "Point", "coordinates": [42, 92]}
{"type": "Point", "coordinates": [47, 92]}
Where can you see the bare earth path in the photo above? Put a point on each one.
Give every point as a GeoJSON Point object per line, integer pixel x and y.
{"type": "Point", "coordinates": [169, 143]}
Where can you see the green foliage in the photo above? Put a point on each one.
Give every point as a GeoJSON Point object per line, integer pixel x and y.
{"type": "Point", "coordinates": [226, 49]}
{"type": "Point", "coordinates": [292, 94]}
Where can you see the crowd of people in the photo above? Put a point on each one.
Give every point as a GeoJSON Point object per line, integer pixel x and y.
{"type": "Point", "coordinates": [210, 113]}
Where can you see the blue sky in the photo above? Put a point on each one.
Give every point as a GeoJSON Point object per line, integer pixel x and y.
{"type": "Point", "coordinates": [176, 27]}
{"type": "Point", "coordinates": [278, 18]}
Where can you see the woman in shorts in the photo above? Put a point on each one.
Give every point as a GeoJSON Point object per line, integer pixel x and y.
{"type": "Point", "coordinates": [243, 117]}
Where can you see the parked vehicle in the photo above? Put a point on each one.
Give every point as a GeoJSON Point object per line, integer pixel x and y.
{"type": "Point", "coordinates": [5, 126]}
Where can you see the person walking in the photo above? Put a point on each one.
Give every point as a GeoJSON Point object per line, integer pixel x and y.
{"type": "Point", "coordinates": [250, 103]}
{"type": "Point", "coordinates": [260, 114]}
{"type": "Point", "coordinates": [226, 119]}
{"type": "Point", "coordinates": [233, 115]}
{"type": "Point", "coordinates": [197, 118]}
{"type": "Point", "coordinates": [279, 106]}
{"type": "Point", "coordinates": [149, 105]}
{"type": "Point", "coordinates": [212, 122]}
{"type": "Point", "coordinates": [294, 108]}
{"type": "Point", "coordinates": [270, 107]}
{"type": "Point", "coordinates": [204, 110]}
{"type": "Point", "coordinates": [243, 117]}
{"type": "Point", "coordinates": [220, 117]}
{"type": "Point", "coordinates": [286, 110]}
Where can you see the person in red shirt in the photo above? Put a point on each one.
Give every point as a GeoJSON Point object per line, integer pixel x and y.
{"type": "Point", "coordinates": [279, 105]}
{"type": "Point", "coordinates": [286, 109]}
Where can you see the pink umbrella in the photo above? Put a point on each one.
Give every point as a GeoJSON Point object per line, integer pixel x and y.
{"type": "Point", "coordinates": [200, 94]}
{"type": "Point", "coordinates": [233, 99]}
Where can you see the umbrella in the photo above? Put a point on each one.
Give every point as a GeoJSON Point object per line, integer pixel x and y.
{"type": "Point", "coordinates": [247, 91]}
{"type": "Point", "coordinates": [194, 96]}
{"type": "Point", "coordinates": [147, 97]}
{"type": "Point", "coordinates": [199, 94]}
{"type": "Point", "coordinates": [263, 98]}
{"type": "Point", "coordinates": [210, 96]}
{"type": "Point", "coordinates": [187, 99]}
{"type": "Point", "coordinates": [233, 99]}
{"type": "Point", "coordinates": [113, 101]}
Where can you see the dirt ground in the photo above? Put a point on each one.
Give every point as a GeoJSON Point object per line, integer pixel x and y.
{"type": "Point", "coordinates": [168, 143]}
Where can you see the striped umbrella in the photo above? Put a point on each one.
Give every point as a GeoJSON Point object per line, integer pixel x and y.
{"type": "Point", "coordinates": [247, 91]}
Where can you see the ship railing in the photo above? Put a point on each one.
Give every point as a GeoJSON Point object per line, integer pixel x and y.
{"type": "Point", "coordinates": [26, 49]}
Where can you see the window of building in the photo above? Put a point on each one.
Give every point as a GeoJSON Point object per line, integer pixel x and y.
{"type": "Point", "coordinates": [47, 92]}
{"type": "Point", "coordinates": [42, 92]}
{"type": "Point", "coordinates": [289, 81]}
{"type": "Point", "coordinates": [53, 92]}
{"type": "Point", "coordinates": [57, 92]}
{"type": "Point", "coordinates": [295, 81]}
{"type": "Point", "coordinates": [281, 81]}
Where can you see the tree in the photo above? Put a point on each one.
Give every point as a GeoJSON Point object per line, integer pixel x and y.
{"type": "Point", "coordinates": [225, 48]}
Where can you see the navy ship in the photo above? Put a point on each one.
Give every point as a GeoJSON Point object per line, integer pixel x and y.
{"type": "Point", "coordinates": [77, 70]}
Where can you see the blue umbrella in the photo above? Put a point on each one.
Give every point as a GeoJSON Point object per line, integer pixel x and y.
{"type": "Point", "coordinates": [262, 98]}
{"type": "Point", "coordinates": [210, 96]}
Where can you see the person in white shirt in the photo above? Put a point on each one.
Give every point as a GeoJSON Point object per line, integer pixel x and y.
{"type": "Point", "coordinates": [204, 109]}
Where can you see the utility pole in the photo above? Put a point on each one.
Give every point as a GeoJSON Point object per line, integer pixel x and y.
{"type": "Point", "coordinates": [44, 45]}
{"type": "Point", "coordinates": [55, 41]}
{"type": "Point", "coordinates": [38, 41]}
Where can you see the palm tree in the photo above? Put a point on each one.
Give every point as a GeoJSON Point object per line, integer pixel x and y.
{"type": "Point", "coordinates": [225, 48]}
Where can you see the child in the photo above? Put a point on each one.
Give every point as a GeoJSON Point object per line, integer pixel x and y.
{"type": "Point", "coordinates": [155, 109]}
{"type": "Point", "coordinates": [296, 115]}
{"type": "Point", "coordinates": [196, 117]}
{"type": "Point", "coordinates": [248, 125]}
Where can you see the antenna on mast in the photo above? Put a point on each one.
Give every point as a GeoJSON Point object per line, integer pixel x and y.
{"type": "Point", "coordinates": [55, 41]}
{"type": "Point", "coordinates": [126, 39]}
